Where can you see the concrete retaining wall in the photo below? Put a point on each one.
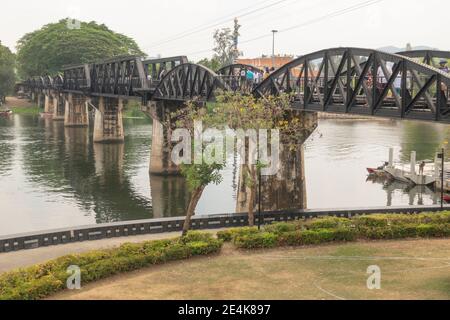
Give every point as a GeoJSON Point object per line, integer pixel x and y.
{"type": "Point", "coordinates": [139, 227]}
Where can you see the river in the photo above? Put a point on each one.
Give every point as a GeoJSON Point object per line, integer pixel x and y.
{"type": "Point", "coordinates": [54, 177]}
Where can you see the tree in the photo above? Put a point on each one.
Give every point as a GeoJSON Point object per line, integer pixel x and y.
{"type": "Point", "coordinates": [212, 63]}
{"type": "Point", "coordinates": [226, 42]}
{"type": "Point", "coordinates": [236, 111]}
{"type": "Point", "coordinates": [47, 50]}
{"type": "Point", "coordinates": [198, 176]}
{"type": "Point", "coordinates": [7, 73]}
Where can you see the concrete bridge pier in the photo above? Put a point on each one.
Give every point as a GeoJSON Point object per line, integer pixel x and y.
{"type": "Point", "coordinates": [76, 110]}
{"type": "Point", "coordinates": [161, 150]}
{"type": "Point", "coordinates": [287, 188]}
{"type": "Point", "coordinates": [108, 124]}
{"type": "Point", "coordinates": [50, 100]}
{"type": "Point", "coordinates": [58, 107]}
{"type": "Point", "coordinates": [40, 99]}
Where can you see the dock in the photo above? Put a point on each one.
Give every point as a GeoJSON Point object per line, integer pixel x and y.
{"type": "Point", "coordinates": [431, 174]}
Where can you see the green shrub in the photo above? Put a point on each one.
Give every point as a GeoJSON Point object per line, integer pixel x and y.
{"type": "Point", "coordinates": [328, 223]}
{"type": "Point", "coordinates": [204, 248]}
{"type": "Point", "coordinates": [230, 234]}
{"type": "Point", "coordinates": [282, 227]}
{"type": "Point", "coordinates": [256, 240]}
{"type": "Point", "coordinates": [193, 236]}
{"type": "Point", "coordinates": [45, 279]}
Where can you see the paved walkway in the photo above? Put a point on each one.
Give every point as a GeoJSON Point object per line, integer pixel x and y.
{"type": "Point", "coordinates": [24, 258]}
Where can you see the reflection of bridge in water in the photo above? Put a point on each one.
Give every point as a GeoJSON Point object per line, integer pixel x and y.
{"type": "Point", "coordinates": [341, 80]}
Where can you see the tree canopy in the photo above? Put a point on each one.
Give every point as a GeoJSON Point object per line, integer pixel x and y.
{"type": "Point", "coordinates": [7, 73]}
{"type": "Point", "coordinates": [47, 50]}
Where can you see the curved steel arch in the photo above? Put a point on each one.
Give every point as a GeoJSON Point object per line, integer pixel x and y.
{"type": "Point", "coordinates": [58, 82]}
{"type": "Point", "coordinates": [47, 82]}
{"type": "Point", "coordinates": [370, 82]}
{"type": "Point", "coordinates": [426, 56]}
{"type": "Point", "coordinates": [236, 68]}
{"type": "Point", "coordinates": [189, 81]}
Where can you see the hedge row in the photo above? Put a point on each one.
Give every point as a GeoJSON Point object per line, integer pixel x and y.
{"type": "Point", "coordinates": [333, 229]}
{"type": "Point", "coordinates": [42, 280]}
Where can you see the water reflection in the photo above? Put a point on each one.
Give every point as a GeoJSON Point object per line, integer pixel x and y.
{"type": "Point", "coordinates": [51, 176]}
{"type": "Point", "coordinates": [7, 146]}
{"type": "Point", "coordinates": [414, 195]}
{"type": "Point", "coordinates": [169, 194]}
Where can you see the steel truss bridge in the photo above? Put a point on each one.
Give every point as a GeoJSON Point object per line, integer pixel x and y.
{"type": "Point", "coordinates": [341, 80]}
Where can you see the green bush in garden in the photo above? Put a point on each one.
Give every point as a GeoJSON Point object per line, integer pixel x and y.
{"type": "Point", "coordinates": [328, 223]}
{"type": "Point", "coordinates": [42, 280]}
{"type": "Point", "coordinates": [334, 229]}
{"type": "Point", "coordinates": [257, 240]}
{"type": "Point", "coordinates": [229, 234]}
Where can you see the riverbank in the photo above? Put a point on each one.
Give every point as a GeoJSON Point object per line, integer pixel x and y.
{"type": "Point", "coordinates": [20, 106]}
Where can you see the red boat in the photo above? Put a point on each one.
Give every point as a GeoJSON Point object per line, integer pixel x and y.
{"type": "Point", "coordinates": [447, 198]}
{"type": "Point", "coordinates": [5, 113]}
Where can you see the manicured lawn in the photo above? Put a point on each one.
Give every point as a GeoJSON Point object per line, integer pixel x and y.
{"type": "Point", "coordinates": [410, 269]}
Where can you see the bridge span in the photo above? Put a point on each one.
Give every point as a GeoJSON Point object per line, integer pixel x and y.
{"type": "Point", "coordinates": [340, 80]}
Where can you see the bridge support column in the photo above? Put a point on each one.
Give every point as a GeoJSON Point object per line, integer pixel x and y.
{"type": "Point", "coordinates": [108, 126]}
{"type": "Point", "coordinates": [49, 102]}
{"type": "Point", "coordinates": [160, 158]}
{"type": "Point", "coordinates": [58, 107]}
{"type": "Point", "coordinates": [287, 188]}
{"type": "Point", "coordinates": [40, 100]}
{"type": "Point", "coordinates": [76, 111]}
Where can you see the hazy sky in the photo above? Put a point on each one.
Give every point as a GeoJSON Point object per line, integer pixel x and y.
{"type": "Point", "coordinates": [314, 24]}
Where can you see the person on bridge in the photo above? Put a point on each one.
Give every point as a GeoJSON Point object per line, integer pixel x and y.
{"type": "Point", "coordinates": [266, 73]}
{"type": "Point", "coordinates": [443, 67]}
{"type": "Point", "coordinates": [243, 78]}
{"type": "Point", "coordinates": [250, 79]}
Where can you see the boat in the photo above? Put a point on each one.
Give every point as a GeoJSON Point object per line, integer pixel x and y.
{"type": "Point", "coordinates": [5, 113]}
{"type": "Point", "coordinates": [46, 115]}
{"type": "Point", "coordinates": [376, 172]}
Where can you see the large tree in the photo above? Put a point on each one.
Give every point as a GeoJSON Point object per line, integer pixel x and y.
{"type": "Point", "coordinates": [225, 45]}
{"type": "Point", "coordinates": [47, 50]}
{"type": "Point", "coordinates": [7, 73]}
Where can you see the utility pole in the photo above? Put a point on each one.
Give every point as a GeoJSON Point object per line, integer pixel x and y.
{"type": "Point", "coordinates": [236, 35]}
{"type": "Point", "coordinates": [273, 47]}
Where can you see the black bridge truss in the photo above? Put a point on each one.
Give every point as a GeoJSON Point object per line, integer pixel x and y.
{"type": "Point", "coordinates": [363, 81]}
{"type": "Point", "coordinates": [341, 80]}
{"type": "Point", "coordinates": [189, 81]}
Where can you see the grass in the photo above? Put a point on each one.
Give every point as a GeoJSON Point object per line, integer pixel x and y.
{"type": "Point", "coordinates": [323, 272]}
{"type": "Point", "coordinates": [34, 110]}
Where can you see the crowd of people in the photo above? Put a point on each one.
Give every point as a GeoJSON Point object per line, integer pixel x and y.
{"type": "Point", "coordinates": [249, 79]}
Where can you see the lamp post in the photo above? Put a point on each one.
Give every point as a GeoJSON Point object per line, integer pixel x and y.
{"type": "Point", "coordinates": [259, 197]}
{"type": "Point", "coordinates": [442, 157]}
{"type": "Point", "coordinates": [273, 47]}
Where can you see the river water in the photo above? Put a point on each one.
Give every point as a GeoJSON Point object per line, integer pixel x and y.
{"type": "Point", "coordinates": [54, 177]}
